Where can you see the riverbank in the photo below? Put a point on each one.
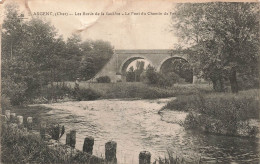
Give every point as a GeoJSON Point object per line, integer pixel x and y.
{"type": "Point", "coordinates": [20, 145]}
{"type": "Point", "coordinates": [63, 92]}
{"type": "Point", "coordinates": [220, 113]}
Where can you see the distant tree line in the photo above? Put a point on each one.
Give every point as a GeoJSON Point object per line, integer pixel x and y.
{"type": "Point", "coordinates": [35, 55]}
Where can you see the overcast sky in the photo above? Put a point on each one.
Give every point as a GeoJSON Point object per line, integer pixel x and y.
{"type": "Point", "coordinates": [123, 31]}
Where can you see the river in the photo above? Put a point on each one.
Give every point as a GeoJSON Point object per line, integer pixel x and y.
{"type": "Point", "coordinates": [136, 126]}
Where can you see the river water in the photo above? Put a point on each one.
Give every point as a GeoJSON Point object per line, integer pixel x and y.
{"type": "Point", "coordinates": [136, 126]}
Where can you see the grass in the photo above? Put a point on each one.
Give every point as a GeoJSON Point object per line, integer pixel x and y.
{"type": "Point", "coordinates": [173, 158]}
{"type": "Point", "coordinates": [19, 146]}
{"type": "Point", "coordinates": [222, 113]}
{"type": "Point", "coordinates": [91, 91]}
{"type": "Point", "coordinates": [141, 90]}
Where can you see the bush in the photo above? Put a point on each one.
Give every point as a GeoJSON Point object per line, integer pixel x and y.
{"type": "Point", "coordinates": [5, 103]}
{"type": "Point", "coordinates": [87, 94]}
{"type": "Point", "coordinates": [157, 79]}
{"type": "Point", "coordinates": [55, 92]}
{"type": "Point", "coordinates": [218, 112]}
{"type": "Point", "coordinates": [20, 146]}
{"type": "Point", "coordinates": [103, 79]}
{"type": "Point", "coordinates": [247, 82]}
{"type": "Point", "coordinates": [15, 92]}
{"type": "Point", "coordinates": [185, 103]}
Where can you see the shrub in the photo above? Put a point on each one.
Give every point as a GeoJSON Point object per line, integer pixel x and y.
{"type": "Point", "coordinates": [5, 102]}
{"type": "Point", "coordinates": [55, 92]}
{"type": "Point", "coordinates": [87, 94]}
{"type": "Point", "coordinates": [19, 146]}
{"type": "Point", "coordinates": [185, 103]}
{"type": "Point", "coordinates": [218, 112]}
{"type": "Point", "coordinates": [15, 91]}
{"type": "Point", "coordinates": [103, 79]}
{"type": "Point", "coordinates": [157, 79]}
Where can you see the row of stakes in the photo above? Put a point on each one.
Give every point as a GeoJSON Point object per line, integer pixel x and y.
{"type": "Point", "coordinates": [110, 147]}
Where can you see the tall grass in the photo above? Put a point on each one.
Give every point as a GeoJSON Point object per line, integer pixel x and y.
{"type": "Point", "coordinates": [19, 146]}
{"type": "Point", "coordinates": [223, 113]}
{"type": "Point", "coordinates": [141, 90]}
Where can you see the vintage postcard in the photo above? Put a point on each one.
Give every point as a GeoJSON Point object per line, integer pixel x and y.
{"type": "Point", "coordinates": [129, 81]}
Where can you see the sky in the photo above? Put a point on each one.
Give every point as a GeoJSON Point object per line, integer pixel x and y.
{"type": "Point", "coordinates": [123, 31]}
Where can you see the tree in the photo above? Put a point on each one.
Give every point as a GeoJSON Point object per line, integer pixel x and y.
{"type": "Point", "coordinates": [28, 53]}
{"type": "Point", "coordinates": [139, 70]}
{"type": "Point", "coordinates": [224, 38]}
{"type": "Point", "coordinates": [73, 56]}
{"type": "Point", "coordinates": [101, 52]}
{"type": "Point", "coordinates": [130, 75]}
{"type": "Point", "coordinates": [86, 68]}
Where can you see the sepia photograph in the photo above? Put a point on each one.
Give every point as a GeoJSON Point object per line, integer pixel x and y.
{"type": "Point", "coordinates": [129, 82]}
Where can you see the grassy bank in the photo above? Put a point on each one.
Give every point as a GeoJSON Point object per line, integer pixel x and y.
{"type": "Point", "coordinates": [221, 113]}
{"type": "Point", "coordinates": [141, 90]}
{"type": "Point", "coordinates": [92, 91]}
{"type": "Point", "coordinates": [20, 146]}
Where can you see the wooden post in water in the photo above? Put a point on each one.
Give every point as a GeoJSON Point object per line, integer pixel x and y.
{"type": "Point", "coordinates": [7, 113]}
{"type": "Point", "coordinates": [88, 145]}
{"type": "Point", "coordinates": [144, 157]}
{"type": "Point", "coordinates": [73, 138]}
{"type": "Point", "coordinates": [20, 120]}
{"type": "Point", "coordinates": [55, 132]}
{"type": "Point", "coordinates": [68, 139]}
{"type": "Point", "coordinates": [13, 118]}
{"type": "Point", "coordinates": [43, 129]}
{"type": "Point", "coordinates": [110, 152]}
{"type": "Point", "coordinates": [29, 123]}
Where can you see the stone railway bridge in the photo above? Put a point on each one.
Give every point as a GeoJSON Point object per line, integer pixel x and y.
{"type": "Point", "coordinates": [117, 65]}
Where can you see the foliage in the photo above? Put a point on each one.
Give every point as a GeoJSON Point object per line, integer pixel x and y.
{"type": "Point", "coordinates": [34, 55]}
{"type": "Point", "coordinates": [130, 75]}
{"type": "Point", "coordinates": [220, 48]}
{"type": "Point", "coordinates": [19, 146]}
{"type": "Point", "coordinates": [87, 94]}
{"type": "Point", "coordinates": [134, 75]}
{"type": "Point", "coordinates": [218, 112]}
{"type": "Point", "coordinates": [158, 79]}
{"type": "Point", "coordinates": [86, 68]}
{"type": "Point", "coordinates": [104, 79]}
{"type": "Point", "coordinates": [178, 67]}
{"type": "Point", "coordinates": [5, 103]}
{"type": "Point", "coordinates": [13, 91]}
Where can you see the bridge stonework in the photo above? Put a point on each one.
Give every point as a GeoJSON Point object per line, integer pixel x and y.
{"type": "Point", "coordinates": [117, 65]}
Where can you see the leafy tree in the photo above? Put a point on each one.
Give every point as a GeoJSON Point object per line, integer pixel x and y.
{"type": "Point", "coordinates": [130, 74]}
{"type": "Point", "coordinates": [86, 68]}
{"type": "Point", "coordinates": [158, 79]}
{"type": "Point", "coordinates": [139, 70]}
{"type": "Point", "coordinates": [224, 38]}
{"type": "Point", "coordinates": [28, 51]}
{"type": "Point", "coordinates": [33, 56]}
{"type": "Point", "coordinates": [13, 68]}
{"type": "Point", "coordinates": [135, 74]}
{"type": "Point", "coordinates": [101, 52]}
{"type": "Point", "coordinates": [73, 56]}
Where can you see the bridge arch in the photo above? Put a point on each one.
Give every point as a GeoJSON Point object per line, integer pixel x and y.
{"type": "Point", "coordinates": [129, 60]}
{"type": "Point", "coordinates": [169, 58]}
{"type": "Point", "coordinates": [168, 65]}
